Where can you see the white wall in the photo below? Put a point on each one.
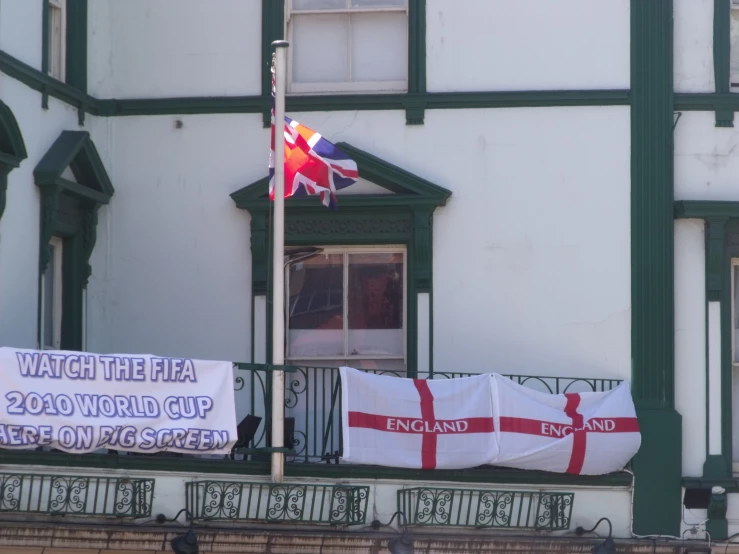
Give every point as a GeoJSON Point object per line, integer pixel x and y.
{"type": "Point", "coordinates": [693, 46]}
{"type": "Point", "coordinates": [19, 226]}
{"type": "Point", "coordinates": [532, 253]}
{"type": "Point", "coordinates": [527, 44]}
{"type": "Point", "coordinates": [706, 159]}
{"type": "Point", "coordinates": [531, 260]}
{"type": "Point", "coordinates": [690, 341]}
{"type": "Point", "coordinates": [177, 48]}
{"type": "Point", "coordinates": [171, 270]}
{"type": "Point", "coordinates": [20, 30]}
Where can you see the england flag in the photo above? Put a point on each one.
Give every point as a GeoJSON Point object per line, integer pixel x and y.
{"type": "Point", "coordinates": [416, 423]}
{"type": "Point", "coordinates": [590, 433]}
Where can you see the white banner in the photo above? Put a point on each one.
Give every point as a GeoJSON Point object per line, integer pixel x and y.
{"type": "Point", "coordinates": [484, 420]}
{"type": "Point", "coordinates": [589, 433]}
{"type": "Point", "coordinates": [80, 402]}
{"type": "Point", "coordinates": [416, 423]}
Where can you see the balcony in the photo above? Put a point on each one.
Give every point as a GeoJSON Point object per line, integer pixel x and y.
{"type": "Point", "coordinates": [313, 405]}
{"type": "Point", "coordinates": [313, 435]}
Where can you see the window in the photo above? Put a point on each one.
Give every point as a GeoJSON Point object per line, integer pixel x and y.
{"type": "Point", "coordinates": [57, 38]}
{"type": "Point", "coordinates": [336, 45]}
{"type": "Point", "coordinates": [51, 299]}
{"type": "Point", "coordinates": [346, 306]}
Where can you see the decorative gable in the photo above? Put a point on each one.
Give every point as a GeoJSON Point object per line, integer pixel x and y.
{"type": "Point", "coordinates": [12, 149]}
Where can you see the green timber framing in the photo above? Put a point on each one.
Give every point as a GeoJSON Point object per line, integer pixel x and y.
{"type": "Point", "coordinates": [12, 150]}
{"type": "Point", "coordinates": [76, 44]}
{"type": "Point", "coordinates": [69, 211]}
{"type": "Point", "coordinates": [652, 100]}
{"type": "Point", "coordinates": [721, 223]}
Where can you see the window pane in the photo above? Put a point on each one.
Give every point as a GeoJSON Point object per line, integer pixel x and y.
{"type": "Point", "coordinates": [378, 3]}
{"type": "Point", "coordinates": [379, 60]}
{"type": "Point", "coordinates": [48, 334]}
{"type": "Point", "coordinates": [375, 304]}
{"type": "Point", "coordinates": [55, 42]}
{"type": "Point", "coordinates": [319, 4]}
{"type": "Point", "coordinates": [316, 320]}
{"type": "Point", "coordinates": [321, 49]}
{"type": "Point", "coordinates": [735, 47]}
{"type": "Point", "coordinates": [736, 313]}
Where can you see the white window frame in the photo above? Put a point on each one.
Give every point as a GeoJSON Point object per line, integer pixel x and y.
{"type": "Point", "coordinates": [58, 41]}
{"type": "Point", "coordinates": [339, 87]}
{"type": "Point", "coordinates": [57, 245]}
{"type": "Point", "coordinates": [346, 251]}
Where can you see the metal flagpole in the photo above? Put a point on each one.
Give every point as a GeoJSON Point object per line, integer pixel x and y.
{"type": "Point", "coordinates": [278, 270]}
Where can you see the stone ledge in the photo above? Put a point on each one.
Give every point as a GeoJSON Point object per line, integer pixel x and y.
{"type": "Point", "coordinates": [58, 538]}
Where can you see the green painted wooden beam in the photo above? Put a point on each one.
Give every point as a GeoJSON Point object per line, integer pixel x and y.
{"type": "Point", "coordinates": [658, 464]}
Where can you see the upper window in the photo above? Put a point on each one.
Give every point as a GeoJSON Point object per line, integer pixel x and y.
{"type": "Point", "coordinates": [57, 38]}
{"type": "Point", "coordinates": [347, 307]}
{"type": "Point", "coordinates": [348, 45]}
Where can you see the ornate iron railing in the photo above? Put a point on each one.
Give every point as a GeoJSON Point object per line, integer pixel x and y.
{"type": "Point", "coordinates": [75, 495]}
{"type": "Point", "coordinates": [486, 509]}
{"type": "Point", "coordinates": [277, 502]}
{"type": "Point", "coordinates": [313, 401]}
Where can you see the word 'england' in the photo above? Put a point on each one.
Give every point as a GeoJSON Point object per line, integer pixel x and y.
{"type": "Point", "coordinates": [112, 368]}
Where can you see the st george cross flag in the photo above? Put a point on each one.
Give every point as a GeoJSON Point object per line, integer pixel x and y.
{"type": "Point", "coordinates": [416, 423]}
{"type": "Point", "coordinates": [589, 433]}
{"type": "Point", "coordinates": [313, 165]}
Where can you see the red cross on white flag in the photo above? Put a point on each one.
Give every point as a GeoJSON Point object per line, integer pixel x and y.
{"type": "Point", "coordinates": [416, 423]}
{"type": "Point", "coordinates": [589, 433]}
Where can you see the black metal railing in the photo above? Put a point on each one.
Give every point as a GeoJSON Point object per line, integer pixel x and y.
{"type": "Point", "coordinates": [478, 508]}
{"type": "Point", "coordinates": [277, 502]}
{"type": "Point", "coordinates": [313, 403]}
{"type": "Point", "coordinates": [75, 495]}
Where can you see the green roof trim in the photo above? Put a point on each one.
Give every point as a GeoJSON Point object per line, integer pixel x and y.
{"type": "Point", "coordinates": [409, 189]}
{"type": "Point", "coordinates": [12, 150]}
{"type": "Point", "coordinates": [75, 149]}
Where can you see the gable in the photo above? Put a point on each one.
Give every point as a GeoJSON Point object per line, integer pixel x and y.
{"type": "Point", "coordinates": [381, 183]}
{"type": "Point", "coordinates": [12, 148]}
{"type": "Point", "coordinates": [74, 165]}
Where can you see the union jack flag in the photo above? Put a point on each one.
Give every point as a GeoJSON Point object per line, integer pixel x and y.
{"type": "Point", "coordinates": [313, 165]}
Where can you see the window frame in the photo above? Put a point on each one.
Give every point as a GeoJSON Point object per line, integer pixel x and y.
{"type": "Point", "coordinates": [56, 245]}
{"type": "Point", "coordinates": [734, 268]}
{"type": "Point", "coordinates": [346, 251]}
{"type": "Point", "coordinates": [61, 6]}
{"type": "Point", "coordinates": [412, 101]}
{"type": "Point", "coordinates": [345, 86]}
{"type": "Point", "coordinates": [73, 44]}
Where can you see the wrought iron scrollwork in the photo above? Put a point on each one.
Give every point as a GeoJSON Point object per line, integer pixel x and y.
{"type": "Point", "coordinates": [10, 492]}
{"type": "Point", "coordinates": [286, 502]}
{"type": "Point", "coordinates": [554, 511]}
{"type": "Point", "coordinates": [434, 506]}
{"type": "Point", "coordinates": [222, 500]}
{"type": "Point", "coordinates": [486, 508]}
{"type": "Point", "coordinates": [348, 505]}
{"type": "Point", "coordinates": [494, 509]}
{"type": "Point", "coordinates": [68, 495]}
{"type": "Point", "coordinates": [133, 497]}
{"type": "Point", "coordinates": [295, 387]}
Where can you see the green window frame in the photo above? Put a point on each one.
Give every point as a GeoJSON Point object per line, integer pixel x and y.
{"type": "Point", "coordinates": [69, 211]}
{"type": "Point", "coordinates": [404, 218]}
{"type": "Point", "coordinates": [75, 35]}
{"type": "Point", "coordinates": [273, 25]}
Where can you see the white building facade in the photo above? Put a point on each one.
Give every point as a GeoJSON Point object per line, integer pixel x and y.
{"type": "Point", "coordinates": [546, 189]}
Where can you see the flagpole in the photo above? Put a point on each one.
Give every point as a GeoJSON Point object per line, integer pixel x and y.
{"type": "Point", "coordinates": [278, 270]}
